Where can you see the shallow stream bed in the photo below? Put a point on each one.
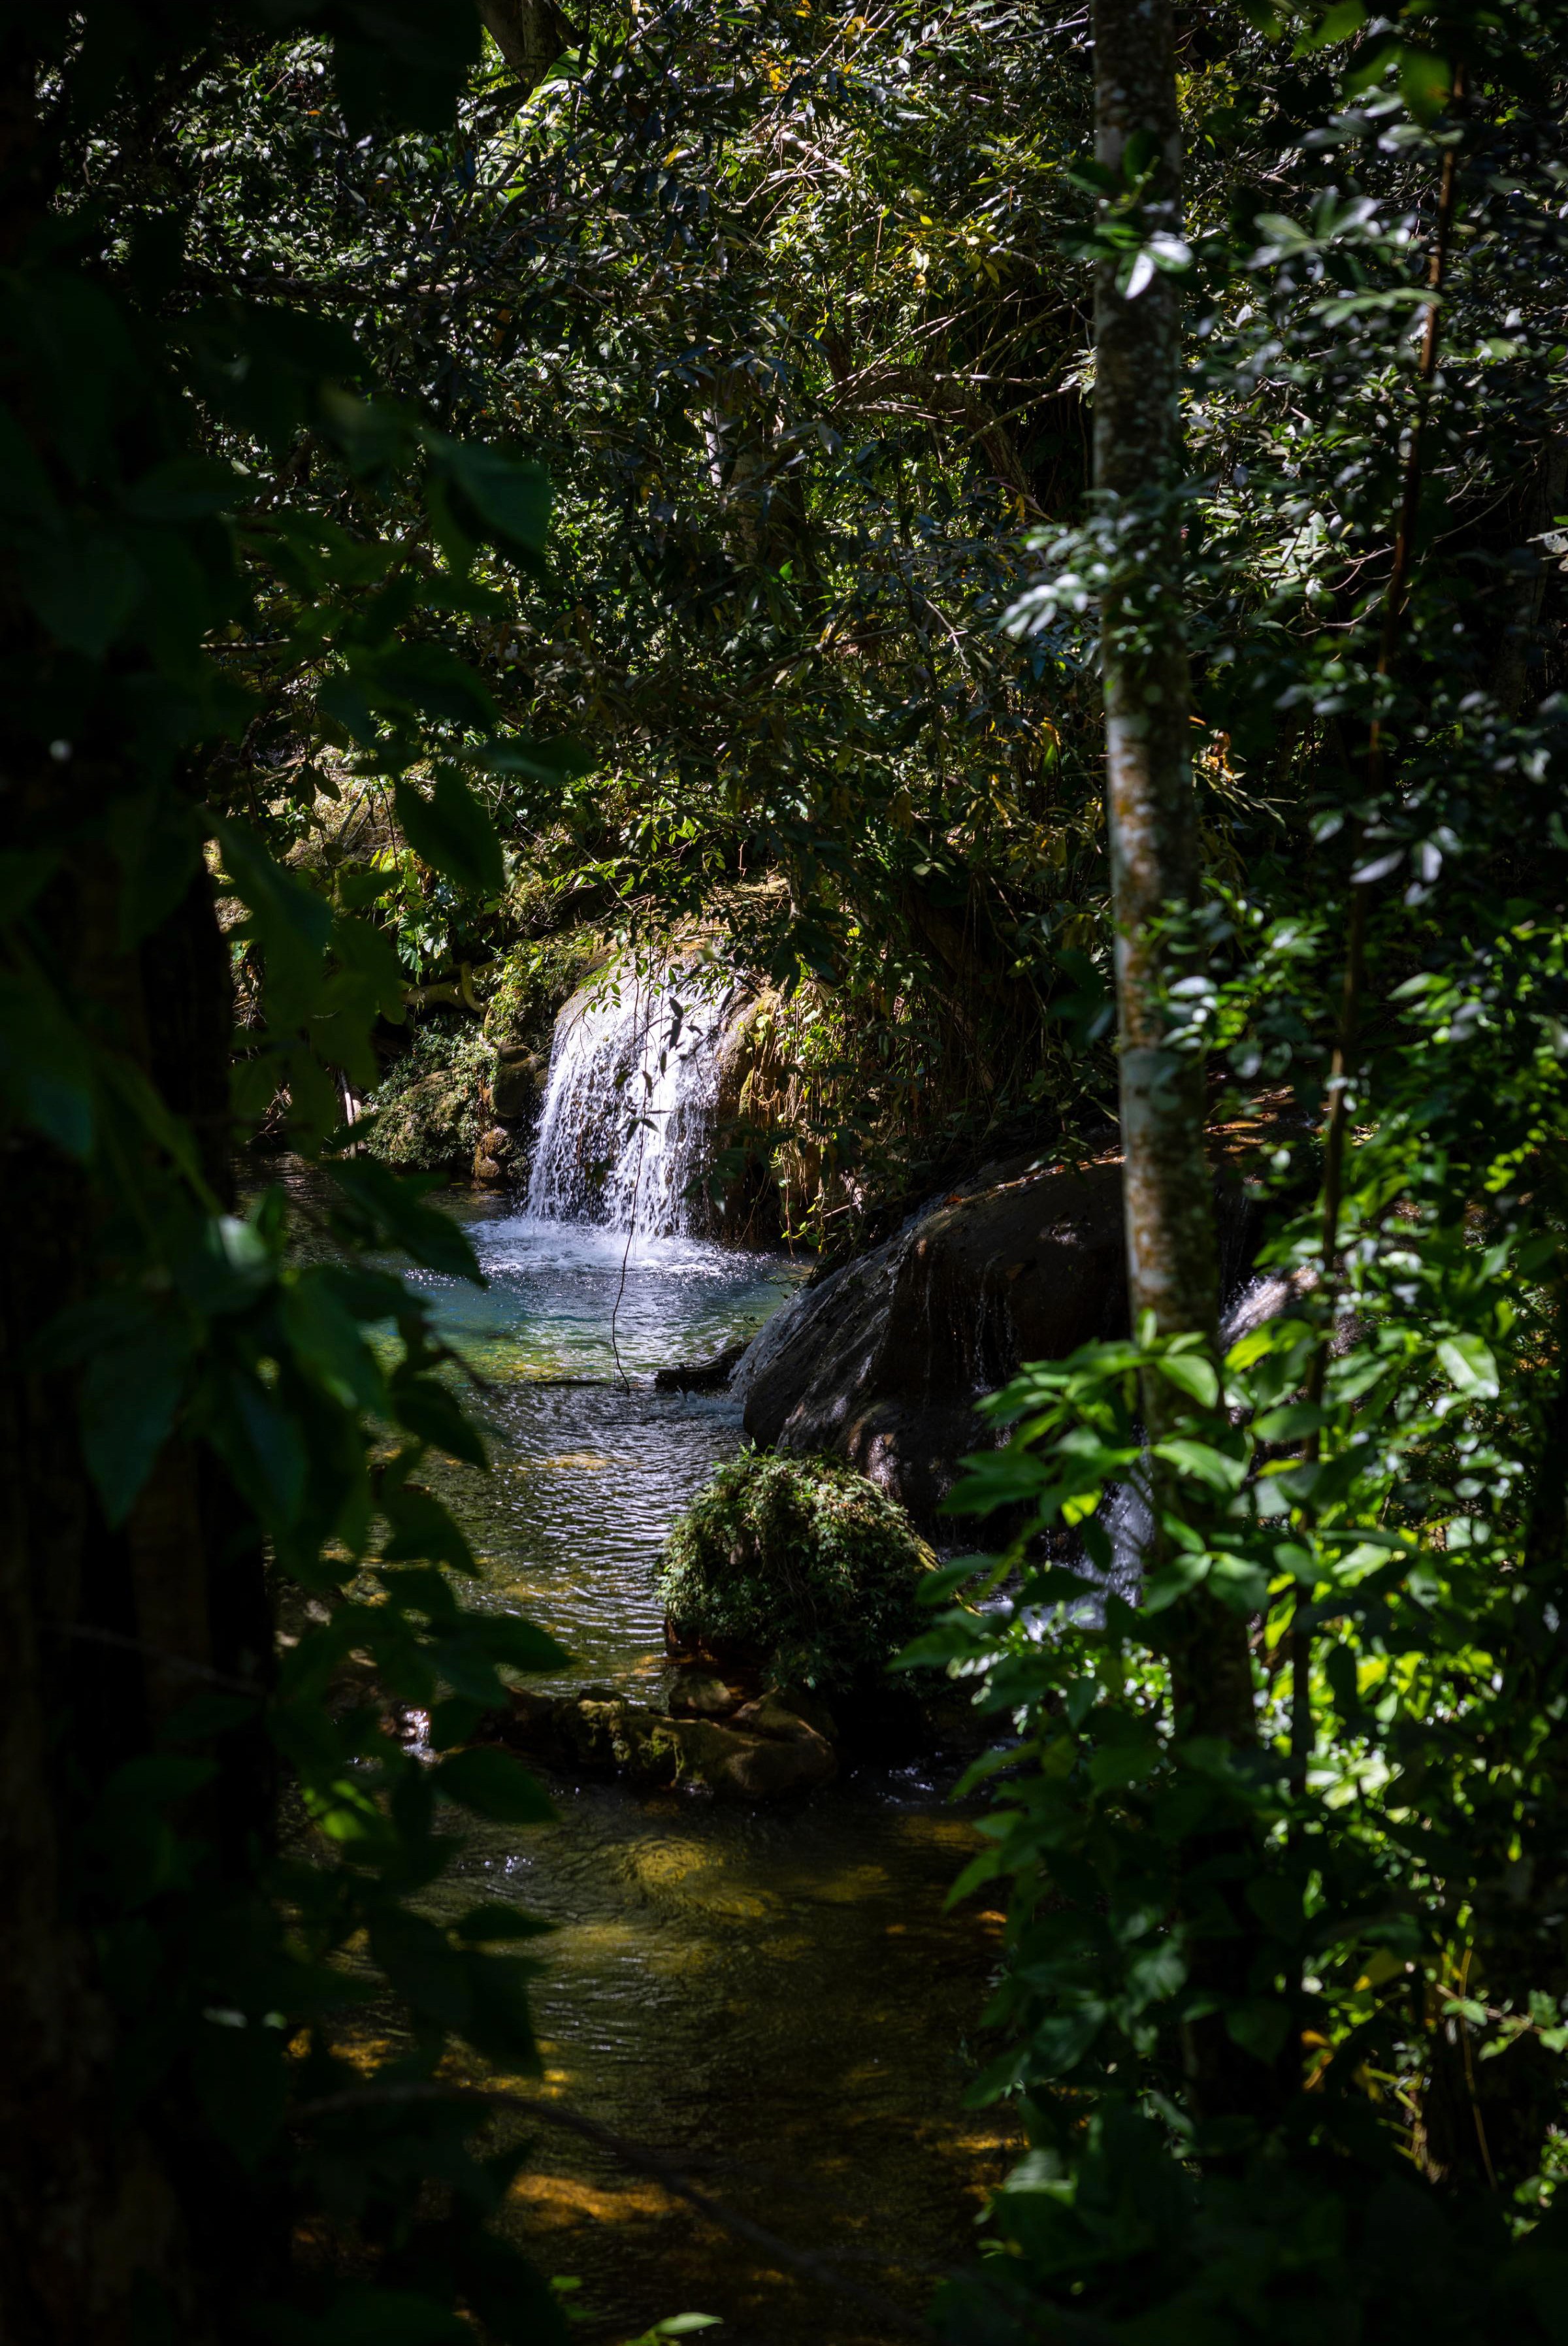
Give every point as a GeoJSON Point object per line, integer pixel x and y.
{"type": "Point", "coordinates": [775, 1998]}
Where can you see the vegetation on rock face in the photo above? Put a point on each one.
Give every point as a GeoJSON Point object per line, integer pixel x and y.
{"type": "Point", "coordinates": [800, 1563]}
{"type": "Point", "coordinates": [429, 1109]}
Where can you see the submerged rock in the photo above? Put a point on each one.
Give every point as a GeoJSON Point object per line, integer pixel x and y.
{"type": "Point", "coordinates": [766, 1749]}
{"type": "Point", "coordinates": [701, 1376]}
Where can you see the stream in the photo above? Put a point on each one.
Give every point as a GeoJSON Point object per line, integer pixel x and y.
{"type": "Point", "coordinates": [774, 1998]}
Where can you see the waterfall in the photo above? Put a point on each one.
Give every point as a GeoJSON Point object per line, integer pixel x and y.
{"type": "Point", "coordinates": [627, 1125]}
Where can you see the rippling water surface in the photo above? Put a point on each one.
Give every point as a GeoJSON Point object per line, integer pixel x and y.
{"type": "Point", "coordinates": [775, 1998]}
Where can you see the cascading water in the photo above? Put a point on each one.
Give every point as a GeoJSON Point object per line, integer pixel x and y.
{"type": "Point", "coordinates": [627, 1122]}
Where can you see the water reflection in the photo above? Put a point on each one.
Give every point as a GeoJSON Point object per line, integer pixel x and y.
{"type": "Point", "coordinates": [774, 1998]}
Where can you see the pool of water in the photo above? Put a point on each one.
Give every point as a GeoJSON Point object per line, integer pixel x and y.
{"type": "Point", "coordinates": [775, 1998]}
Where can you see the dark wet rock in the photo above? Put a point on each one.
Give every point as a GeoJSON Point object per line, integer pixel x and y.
{"type": "Point", "coordinates": [882, 1362]}
{"type": "Point", "coordinates": [701, 1376]}
{"type": "Point", "coordinates": [701, 1693]}
{"type": "Point", "coordinates": [775, 1754]}
{"type": "Point", "coordinates": [517, 1086]}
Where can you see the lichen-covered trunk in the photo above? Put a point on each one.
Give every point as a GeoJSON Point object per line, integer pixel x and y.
{"type": "Point", "coordinates": [1172, 1258]}
{"type": "Point", "coordinates": [1154, 856]}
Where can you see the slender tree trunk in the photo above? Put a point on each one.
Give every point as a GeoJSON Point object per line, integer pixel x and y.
{"type": "Point", "coordinates": [1143, 650]}
{"type": "Point", "coordinates": [1172, 1257]}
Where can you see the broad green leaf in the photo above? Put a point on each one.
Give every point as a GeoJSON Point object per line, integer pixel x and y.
{"type": "Point", "coordinates": [1203, 1462]}
{"type": "Point", "coordinates": [330, 1343]}
{"type": "Point", "coordinates": [84, 590]}
{"type": "Point", "coordinates": [129, 1396]}
{"type": "Point", "coordinates": [185, 488]}
{"type": "Point", "coordinates": [1292, 1422]}
{"type": "Point", "coordinates": [453, 831]}
{"type": "Point", "coordinates": [511, 498]}
{"type": "Point", "coordinates": [1471, 1366]}
{"type": "Point", "coordinates": [429, 677]}
{"type": "Point", "coordinates": [422, 1529]}
{"type": "Point", "coordinates": [1190, 1372]}
{"type": "Point", "coordinates": [240, 2070]}
{"type": "Point", "coordinates": [493, 1784]}
{"type": "Point", "coordinates": [1173, 1580]}
{"type": "Point", "coordinates": [390, 1206]}
{"type": "Point", "coordinates": [22, 875]}
{"type": "Point", "coordinates": [290, 921]}
{"type": "Point", "coordinates": [45, 1070]}
{"type": "Point", "coordinates": [428, 1410]}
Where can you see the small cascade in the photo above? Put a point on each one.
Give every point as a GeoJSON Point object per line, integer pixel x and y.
{"type": "Point", "coordinates": [627, 1127]}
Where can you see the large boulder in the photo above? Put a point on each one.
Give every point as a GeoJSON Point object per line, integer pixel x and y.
{"type": "Point", "coordinates": [882, 1362]}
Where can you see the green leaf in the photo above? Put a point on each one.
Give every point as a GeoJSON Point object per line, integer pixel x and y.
{"type": "Point", "coordinates": [391, 1204]}
{"type": "Point", "coordinates": [290, 921]}
{"type": "Point", "coordinates": [360, 2316]}
{"type": "Point", "coordinates": [185, 488]}
{"type": "Point", "coordinates": [423, 1965]}
{"type": "Point", "coordinates": [426, 1409]}
{"type": "Point", "coordinates": [22, 875]}
{"type": "Point", "coordinates": [422, 1529]}
{"type": "Point", "coordinates": [157, 841]}
{"type": "Point", "coordinates": [329, 1343]}
{"type": "Point", "coordinates": [1259, 2025]}
{"type": "Point", "coordinates": [45, 1072]}
{"type": "Point", "coordinates": [453, 832]}
{"type": "Point", "coordinates": [1471, 1366]}
{"type": "Point", "coordinates": [516, 1643]}
{"type": "Point", "coordinates": [1425, 83]}
{"type": "Point", "coordinates": [361, 946]}
{"type": "Point", "coordinates": [241, 2075]}
{"type": "Point", "coordinates": [513, 498]}
{"type": "Point", "coordinates": [1292, 1423]}
{"type": "Point", "coordinates": [1173, 1581]}
{"type": "Point", "coordinates": [493, 1785]}
{"type": "Point", "coordinates": [429, 677]}
{"type": "Point", "coordinates": [1190, 1372]}
{"type": "Point", "coordinates": [84, 590]}
{"type": "Point", "coordinates": [129, 1396]}
{"type": "Point", "coordinates": [1203, 1463]}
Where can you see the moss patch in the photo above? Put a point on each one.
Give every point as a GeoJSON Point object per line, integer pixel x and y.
{"type": "Point", "coordinates": [802, 1563]}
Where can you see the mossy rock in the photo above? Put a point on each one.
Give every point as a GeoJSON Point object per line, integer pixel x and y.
{"type": "Point", "coordinates": [798, 1564]}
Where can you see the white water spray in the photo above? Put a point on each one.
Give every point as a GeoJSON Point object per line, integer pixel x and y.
{"type": "Point", "coordinates": [626, 1127]}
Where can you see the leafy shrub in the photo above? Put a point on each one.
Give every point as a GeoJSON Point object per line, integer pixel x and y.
{"type": "Point", "coordinates": [799, 1560]}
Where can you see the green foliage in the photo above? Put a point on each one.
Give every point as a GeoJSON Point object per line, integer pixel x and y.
{"type": "Point", "coordinates": [800, 1563]}
{"type": "Point", "coordinates": [172, 584]}
{"type": "Point", "coordinates": [538, 978]}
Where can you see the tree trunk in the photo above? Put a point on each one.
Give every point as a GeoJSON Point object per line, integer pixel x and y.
{"type": "Point", "coordinates": [110, 2222]}
{"type": "Point", "coordinates": [1143, 650]}
{"type": "Point", "coordinates": [530, 34]}
{"type": "Point", "coordinates": [1172, 1258]}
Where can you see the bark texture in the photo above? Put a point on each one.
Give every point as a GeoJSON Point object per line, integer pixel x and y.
{"type": "Point", "coordinates": [107, 2223]}
{"type": "Point", "coordinates": [530, 34]}
{"type": "Point", "coordinates": [1172, 1258]}
{"type": "Point", "coordinates": [1154, 860]}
